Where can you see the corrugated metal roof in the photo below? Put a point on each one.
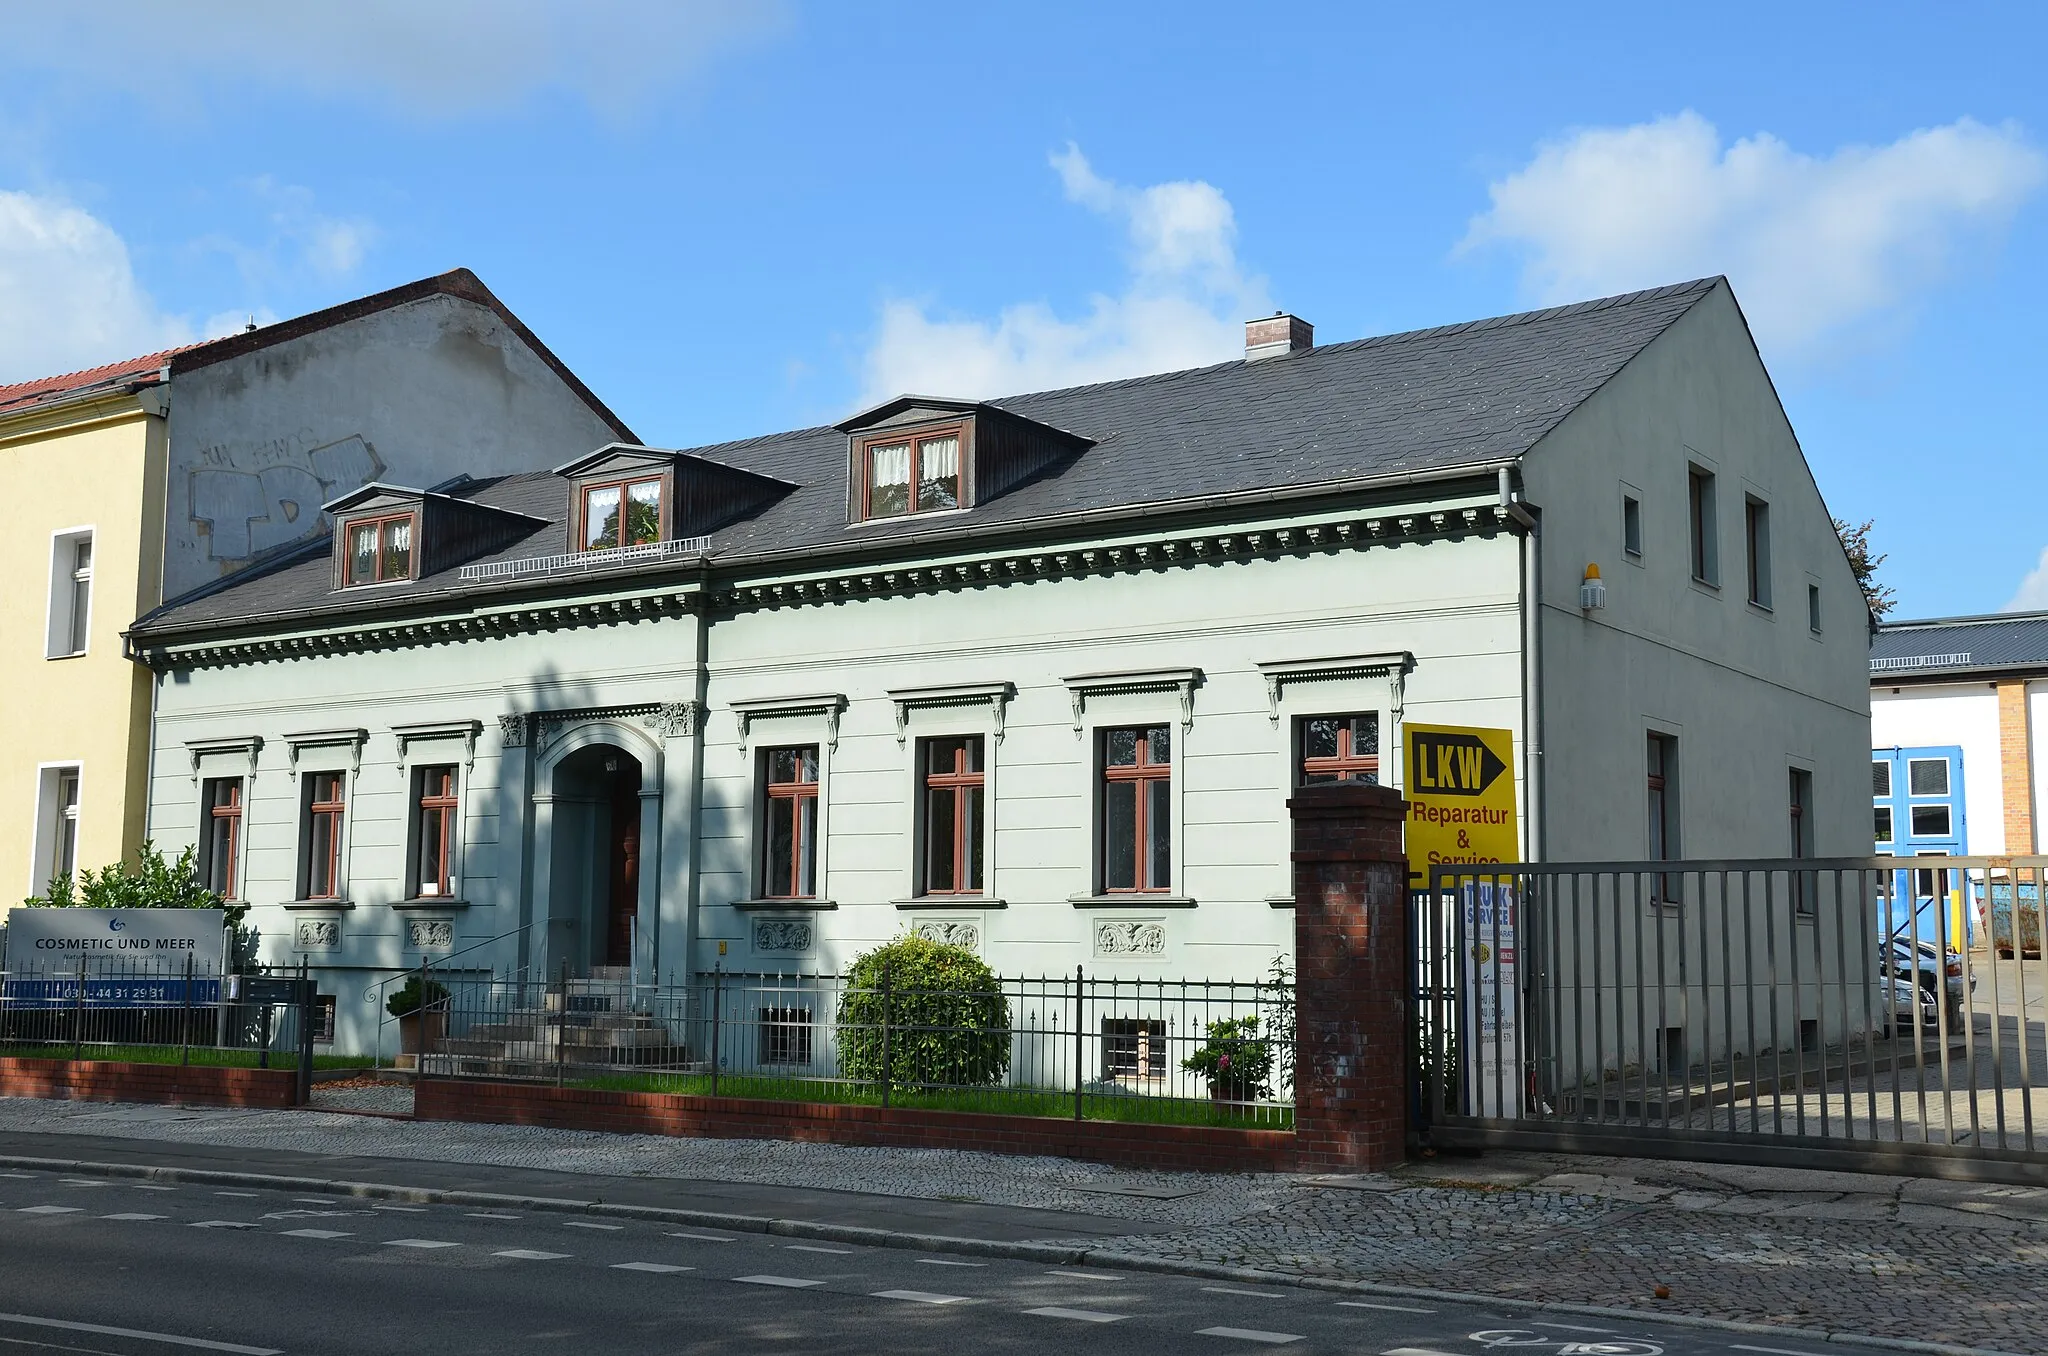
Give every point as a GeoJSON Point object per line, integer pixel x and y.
{"type": "Point", "coordinates": [1959, 646]}
{"type": "Point", "coordinates": [1470, 395]}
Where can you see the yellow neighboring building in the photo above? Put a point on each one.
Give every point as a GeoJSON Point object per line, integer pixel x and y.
{"type": "Point", "coordinates": [160, 476]}
{"type": "Point", "coordinates": [82, 467]}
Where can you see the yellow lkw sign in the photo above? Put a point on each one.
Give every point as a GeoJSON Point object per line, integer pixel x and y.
{"type": "Point", "coordinates": [1461, 798]}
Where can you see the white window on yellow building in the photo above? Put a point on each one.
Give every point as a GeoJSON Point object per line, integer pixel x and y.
{"type": "Point", "coordinates": [70, 616]}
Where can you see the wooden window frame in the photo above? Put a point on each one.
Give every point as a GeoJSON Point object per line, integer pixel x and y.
{"type": "Point", "coordinates": [449, 806]}
{"type": "Point", "coordinates": [797, 792]}
{"type": "Point", "coordinates": [865, 445]}
{"type": "Point", "coordinates": [335, 810]}
{"type": "Point", "coordinates": [230, 815]}
{"type": "Point", "coordinates": [581, 517]}
{"type": "Point", "coordinates": [959, 782]}
{"type": "Point", "coordinates": [380, 522]}
{"type": "Point", "coordinates": [1142, 773]}
{"type": "Point", "coordinates": [1347, 765]}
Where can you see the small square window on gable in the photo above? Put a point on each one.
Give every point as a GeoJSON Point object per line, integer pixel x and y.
{"type": "Point", "coordinates": [918, 454]}
{"type": "Point", "coordinates": [624, 496]}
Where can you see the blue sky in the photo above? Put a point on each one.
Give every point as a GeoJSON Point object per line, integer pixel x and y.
{"type": "Point", "coordinates": [731, 218]}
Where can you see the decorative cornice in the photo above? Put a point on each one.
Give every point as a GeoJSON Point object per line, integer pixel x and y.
{"type": "Point", "coordinates": [663, 720]}
{"type": "Point", "coordinates": [354, 738]}
{"type": "Point", "coordinates": [1181, 681]}
{"type": "Point", "coordinates": [245, 744]}
{"type": "Point", "coordinates": [828, 704]}
{"type": "Point", "coordinates": [464, 730]}
{"type": "Point", "coordinates": [1178, 550]}
{"type": "Point", "coordinates": [1393, 665]}
{"type": "Point", "coordinates": [997, 695]}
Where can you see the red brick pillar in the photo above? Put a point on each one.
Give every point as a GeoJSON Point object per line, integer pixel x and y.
{"type": "Point", "coordinates": [1353, 974]}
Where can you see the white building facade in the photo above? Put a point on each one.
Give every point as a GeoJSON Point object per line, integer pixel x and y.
{"type": "Point", "coordinates": [1035, 675]}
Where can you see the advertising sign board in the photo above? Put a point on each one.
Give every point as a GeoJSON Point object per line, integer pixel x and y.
{"type": "Point", "coordinates": [1461, 798]}
{"type": "Point", "coordinates": [131, 957]}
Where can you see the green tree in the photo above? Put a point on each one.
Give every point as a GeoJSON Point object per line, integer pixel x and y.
{"type": "Point", "coordinates": [154, 884]}
{"type": "Point", "coordinates": [1879, 598]}
{"type": "Point", "coordinates": [937, 1009]}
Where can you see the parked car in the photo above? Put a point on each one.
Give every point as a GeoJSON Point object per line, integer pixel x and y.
{"type": "Point", "coordinates": [1910, 1004]}
{"type": "Point", "coordinates": [1934, 969]}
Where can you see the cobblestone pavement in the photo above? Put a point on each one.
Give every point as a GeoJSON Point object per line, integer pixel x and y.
{"type": "Point", "coordinates": [1889, 1256]}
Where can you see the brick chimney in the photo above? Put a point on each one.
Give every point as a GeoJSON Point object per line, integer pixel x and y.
{"type": "Point", "coordinates": [1276, 336]}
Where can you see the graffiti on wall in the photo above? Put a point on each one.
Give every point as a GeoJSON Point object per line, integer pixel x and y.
{"type": "Point", "coordinates": [244, 503]}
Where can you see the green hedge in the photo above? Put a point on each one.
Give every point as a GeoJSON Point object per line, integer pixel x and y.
{"type": "Point", "coordinates": [940, 1012]}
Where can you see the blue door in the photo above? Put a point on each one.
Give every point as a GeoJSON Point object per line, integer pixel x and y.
{"type": "Point", "coordinates": [1916, 799]}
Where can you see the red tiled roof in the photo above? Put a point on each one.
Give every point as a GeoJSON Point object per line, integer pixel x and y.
{"type": "Point", "coordinates": [142, 371]}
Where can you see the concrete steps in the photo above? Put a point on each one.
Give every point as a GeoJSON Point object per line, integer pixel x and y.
{"type": "Point", "coordinates": [586, 1024]}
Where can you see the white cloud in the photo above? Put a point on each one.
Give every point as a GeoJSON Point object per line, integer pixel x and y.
{"type": "Point", "coordinates": [330, 246]}
{"type": "Point", "coordinates": [2032, 595]}
{"type": "Point", "coordinates": [434, 56]}
{"type": "Point", "coordinates": [1813, 244]}
{"type": "Point", "coordinates": [68, 294]}
{"type": "Point", "coordinates": [1183, 305]}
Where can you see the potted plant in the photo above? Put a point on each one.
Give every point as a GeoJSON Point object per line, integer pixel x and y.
{"type": "Point", "coordinates": [1236, 1060]}
{"type": "Point", "coordinates": [421, 1007]}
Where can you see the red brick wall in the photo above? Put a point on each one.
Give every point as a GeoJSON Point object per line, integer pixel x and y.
{"type": "Point", "coordinates": [99, 1081]}
{"type": "Point", "coordinates": [1352, 962]}
{"type": "Point", "coordinates": [1198, 1148]}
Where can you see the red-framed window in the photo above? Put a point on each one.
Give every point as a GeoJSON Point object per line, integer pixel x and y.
{"type": "Point", "coordinates": [910, 473]}
{"type": "Point", "coordinates": [379, 549]}
{"type": "Point", "coordinates": [789, 868]}
{"type": "Point", "coordinates": [325, 806]}
{"type": "Point", "coordinates": [434, 813]}
{"type": "Point", "coordinates": [1137, 810]}
{"type": "Point", "coordinates": [954, 786]}
{"type": "Point", "coordinates": [1340, 749]}
{"type": "Point", "coordinates": [620, 513]}
{"type": "Point", "coordinates": [223, 835]}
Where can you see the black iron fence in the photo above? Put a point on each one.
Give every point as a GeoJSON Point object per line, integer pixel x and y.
{"type": "Point", "coordinates": [1073, 1046]}
{"type": "Point", "coordinates": [1884, 1006]}
{"type": "Point", "coordinates": [110, 1010]}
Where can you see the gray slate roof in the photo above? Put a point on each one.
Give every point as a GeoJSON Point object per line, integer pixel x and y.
{"type": "Point", "coordinates": [1960, 646]}
{"type": "Point", "coordinates": [1472, 395]}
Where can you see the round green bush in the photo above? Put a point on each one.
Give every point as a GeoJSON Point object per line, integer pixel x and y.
{"type": "Point", "coordinates": [940, 1012]}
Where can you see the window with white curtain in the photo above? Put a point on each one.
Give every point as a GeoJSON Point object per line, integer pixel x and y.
{"type": "Point", "coordinates": [910, 473]}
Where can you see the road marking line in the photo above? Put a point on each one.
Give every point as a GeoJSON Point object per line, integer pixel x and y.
{"type": "Point", "coordinates": [50, 1209]}
{"type": "Point", "coordinates": [150, 1186]}
{"type": "Point", "coordinates": [134, 1216]}
{"type": "Point", "coordinates": [529, 1255]}
{"type": "Point", "coordinates": [787, 1282]}
{"type": "Point", "coordinates": [249, 1194]}
{"type": "Point", "coordinates": [23, 1176]}
{"type": "Point", "coordinates": [418, 1243]}
{"type": "Point", "coordinates": [1251, 1335]}
{"type": "Point", "coordinates": [947, 1262]}
{"type": "Point", "coordinates": [169, 1339]}
{"type": "Point", "coordinates": [1233, 1290]}
{"type": "Point", "coordinates": [590, 1224]}
{"type": "Point", "coordinates": [1774, 1351]}
{"type": "Point", "coordinates": [706, 1238]}
{"type": "Point", "coordinates": [224, 1224]}
{"type": "Point", "coordinates": [920, 1297]}
{"type": "Point", "coordinates": [486, 1214]}
{"type": "Point", "coordinates": [82, 1181]}
{"type": "Point", "coordinates": [317, 1233]}
{"type": "Point", "coordinates": [1571, 1327]}
{"type": "Point", "coordinates": [829, 1252]}
{"type": "Point", "coordinates": [660, 1268]}
{"type": "Point", "coordinates": [1391, 1308]}
{"type": "Point", "coordinates": [1415, 1351]}
{"type": "Point", "coordinates": [314, 1200]}
{"type": "Point", "coordinates": [403, 1209]}
{"type": "Point", "coordinates": [1083, 1275]}
{"type": "Point", "coordinates": [1080, 1315]}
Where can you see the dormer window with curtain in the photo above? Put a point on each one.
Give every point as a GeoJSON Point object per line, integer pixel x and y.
{"type": "Point", "coordinates": [621, 513]}
{"type": "Point", "coordinates": [912, 474]}
{"type": "Point", "coordinates": [379, 549]}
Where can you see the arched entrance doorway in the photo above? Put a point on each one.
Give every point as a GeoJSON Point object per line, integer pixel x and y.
{"type": "Point", "coordinates": [594, 894]}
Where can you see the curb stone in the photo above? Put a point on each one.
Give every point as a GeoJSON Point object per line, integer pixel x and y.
{"type": "Point", "coordinates": [1053, 1253]}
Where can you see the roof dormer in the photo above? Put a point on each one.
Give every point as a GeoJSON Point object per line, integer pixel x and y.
{"type": "Point", "coordinates": [389, 534]}
{"type": "Point", "coordinates": [624, 496]}
{"type": "Point", "coordinates": [924, 454]}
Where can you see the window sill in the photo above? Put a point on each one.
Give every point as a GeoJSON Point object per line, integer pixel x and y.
{"type": "Point", "coordinates": [784, 905]}
{"type": "Point", "coordinates": [1279, 901]}
{"type": "Point", "coordinates": [1762, 609]}
{"type": "Point", "coordinates": [950, 902]}
{"type": "Point", "coordinates": [314, 905]}
{"type": "Point", "coordinates": [1706, 586]}
{"type": "Point", "coordinates": [918, 516]}
{"type": "Point", "coordinates": [75, 654]}
{"type": "Point", "coordinates": [430, 902]}
{"type": "Point", "coordinates": [1134, 900]}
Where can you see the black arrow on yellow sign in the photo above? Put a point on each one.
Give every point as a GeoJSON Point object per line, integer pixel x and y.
{"type": "Point", "coordinates": [1451, 764]}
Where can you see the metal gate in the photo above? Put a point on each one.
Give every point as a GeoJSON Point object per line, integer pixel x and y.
{"type": "Point", "coordinates": [1864, 1013]}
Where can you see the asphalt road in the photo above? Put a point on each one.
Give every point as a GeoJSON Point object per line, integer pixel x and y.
{"type": "Point", "coordinates": [109, 1265]}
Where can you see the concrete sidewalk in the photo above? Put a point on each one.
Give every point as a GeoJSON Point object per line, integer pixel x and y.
{"type": "Point", "coordinates": [1827, 1253]}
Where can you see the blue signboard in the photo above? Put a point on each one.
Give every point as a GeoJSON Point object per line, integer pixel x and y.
{"type": "Point", "coordinates": [143, 992]}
